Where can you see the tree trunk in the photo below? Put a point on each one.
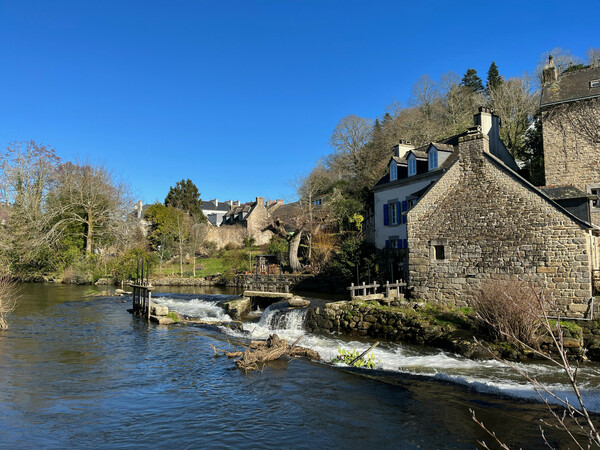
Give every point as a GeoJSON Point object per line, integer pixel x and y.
{"type": "Point", "coordinates": [89, 235]}
{"type": "Point", "coordinates": [194, 265]}
{"type": "Point", "coordinates": [294, 245]}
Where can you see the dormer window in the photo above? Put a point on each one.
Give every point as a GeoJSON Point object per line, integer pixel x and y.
{"type": "Point", "coordinates": [433, 159]}
{"type": "Point", "coordinates": [393, 171]}
{"type": "Point", "coordinates": [412, 165]}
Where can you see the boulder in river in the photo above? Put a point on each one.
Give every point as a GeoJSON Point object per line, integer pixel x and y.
{"type": "Point", "coordinates": [298, 302]}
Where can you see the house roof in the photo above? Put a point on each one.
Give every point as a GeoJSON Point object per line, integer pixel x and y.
{"type": "Point", "coordinates": [565, 192]}
{"type": "Point", "coordinates": [212, 206]}
{"type": "Point", "coordinates": [571, 86]}
{"type": "Point", "coordinates": [442, 147]}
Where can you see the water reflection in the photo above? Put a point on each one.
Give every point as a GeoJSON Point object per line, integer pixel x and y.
{"type": "Point", "coordinates": [87, 374]}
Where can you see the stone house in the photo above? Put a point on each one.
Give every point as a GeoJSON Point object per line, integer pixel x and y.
{"type": "Point", "coordinates": [253, 217]}
{"type": "Point", "coordinates": [215, 210]}
{"type": "Point", "coordinates": [411, 173]}
{"type": "Point", "coordinates": [570, 106]}
{"type": "Point", "coordinates": [482, 221]}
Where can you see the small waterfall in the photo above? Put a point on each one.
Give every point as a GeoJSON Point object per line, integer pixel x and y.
{"type": "Point", "coordinates": [283, 319]}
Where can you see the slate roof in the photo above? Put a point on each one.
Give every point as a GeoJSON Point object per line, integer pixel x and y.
{"type": "Point", "coordinates": [448, 144]}
{"type": "Point", "coordinates": [565, 192]}
{"type": "Point", "coordinates": [210, 205]}
{"type": "Point", "coordinates": [571, 86]}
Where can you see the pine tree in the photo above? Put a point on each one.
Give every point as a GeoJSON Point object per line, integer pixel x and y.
{"type": "Point", "coordinates": [493, 78]}
{"type": "Point", "coordinates": [472, 81]}
{"type": "Point", "coordinates": [185, 196]}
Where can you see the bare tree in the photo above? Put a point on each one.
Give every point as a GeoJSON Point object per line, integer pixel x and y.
{"type": "Point", "coordinates": [582, 116]}
{"type": "Point", "coordinates": [574, 419]}
{"type": "Point", "coordinates": [8, 300]}
{"type": "Point", "coordinates": [86, 200]}
{"type": "Point", "coordinates": [593, 57]}
{"type": "Point", "coordinates": [424, 94]}
{"type": "Point", "coordinates": [349, 136]}
{"type": "Point", "coordinates": [197, 234]}
{"type": "Point", "coordinates": [516, 105]}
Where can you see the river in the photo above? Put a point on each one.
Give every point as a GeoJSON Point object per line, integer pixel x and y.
{"type": "Point", "coordinates": [81, 372]}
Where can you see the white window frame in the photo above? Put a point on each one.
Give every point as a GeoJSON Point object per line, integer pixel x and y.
{"type": "Point", "coordinates": [591, 188]}
{"type": "Point", "coordinates": [393, 213]}
{"type": "Point", "coordinates": [433, 159]}
{"type": "Point", "coordinates": [393, 171]}
{"type": "Point", "coordinates": [412, 165]}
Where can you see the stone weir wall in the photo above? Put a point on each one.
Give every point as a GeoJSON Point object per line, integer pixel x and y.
{"type": "Point", "coordinates": [401, 321]}
{"type": "Point", "coordinates": [440, 326]}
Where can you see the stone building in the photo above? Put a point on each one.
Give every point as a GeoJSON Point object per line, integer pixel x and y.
{"type": "Point", "coordinates": [481, 221]}
{"type": "Point", "coordinates": [570, 105]}
{"type": "Point", "coordinates": [215, 210]}
{"type": "Point", "coordinates": [411, 172]}
{"type": "Point", "coordinates": [253, 217]}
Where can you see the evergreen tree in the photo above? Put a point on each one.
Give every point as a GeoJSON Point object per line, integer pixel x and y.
{"type": "Point", "coordinates": [472, 81]}
{"type": "Point", "coordinates": [493, 78]}
{"type": "Point", "coordinates": [185, 196]}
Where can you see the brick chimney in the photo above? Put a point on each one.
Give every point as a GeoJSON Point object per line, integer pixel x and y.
{"type": "Point", "coordinates": [550, 72]}
{"type": "Point", "coordinates": [260, 201]}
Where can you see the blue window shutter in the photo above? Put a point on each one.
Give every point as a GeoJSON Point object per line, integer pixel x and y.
{"type": "Point", "coordinates": [386, 215]}
{"type": "Point", "coordinates": [398, 213]}
{"type": "Point", "coordinates": [404, 205]}
{"type": "Point", "coordinates": [387, 244]}
{"type": "Point", "coordinates": [405, 241]}
{"type": "Point", "coordinates": [400, 242]}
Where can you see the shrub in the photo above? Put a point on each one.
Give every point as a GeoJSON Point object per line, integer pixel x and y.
{"type": "Point", "coordinates": [323, 248]}
{"type": "Point", "coordinates": [249, 241]}
{"type": "Point", "coordinates": [511, 310]}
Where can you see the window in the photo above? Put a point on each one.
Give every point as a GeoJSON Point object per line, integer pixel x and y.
{"type": "Point", "coordinates": [393, 171]}
{"type": "Point", "coordinates": [412, 165]}
{"type": "Point", "coordinates": [393, 208]}
{"type": "Point", "coordinates": [318, 202]}
{"type": "Point", "coordinates": [594, 84]}
{"type": "Point", "coordinates": [439, 252]}
{"type": "Point", "coordinates": [595, 191]}
{"type": "Point", "coordinates": [433, 159]}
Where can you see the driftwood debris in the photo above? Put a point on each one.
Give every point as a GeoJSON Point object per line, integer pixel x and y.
{"type": "Point", "coordinates": [262, 351]}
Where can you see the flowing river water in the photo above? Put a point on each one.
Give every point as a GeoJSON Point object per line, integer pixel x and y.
{"type": "Point", "coordinates": [81, 372]}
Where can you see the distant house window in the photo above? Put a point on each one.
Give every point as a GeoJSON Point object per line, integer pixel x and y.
{"type": "Point", "coordinates": [438, 251]}
{"type": "Point", "coordinates": [433, 159]}
{"type": "Point", "coordinates": [393, 209]}
{"type": "Point", "coordinates": [411, 203]}
{"type": "Point", "coordinates": [594, 84]}
{"type": "Point", "coordinates": [412, 165]}
{"type": "Point", "coordinates": [393, 171]}
{"type": "Point", "coordinates": [318, 202]}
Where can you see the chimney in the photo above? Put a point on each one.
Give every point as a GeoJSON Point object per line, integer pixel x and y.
{"type": "Point", "coordinates": [550, 72]}
{"type": "Point", "coordinates": [402, 147]}
{"type": "Point", "coordinates": [260, 201]}
{"type": "Point", "coordinates": [230, 203]}
{"type": "Point", "coordinates": [216, 202]}
{"type": "Point", "coordinates": [471, 149]}
{"type": "Point", "coordinates": [237, 203]}
{"type": "Point", "coordinates": [139, 208]}
{"type": "Point", "coordinates": [490, 127]}
{"type": "Point", "coordinates": [279, 201]}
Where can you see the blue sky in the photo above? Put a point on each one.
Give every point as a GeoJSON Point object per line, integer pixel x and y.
{"type": "Point", "coordinates": [242, 96]}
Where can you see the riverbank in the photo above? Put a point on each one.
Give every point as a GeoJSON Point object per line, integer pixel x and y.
{"type": "Point", "coordinates": [438, 326]}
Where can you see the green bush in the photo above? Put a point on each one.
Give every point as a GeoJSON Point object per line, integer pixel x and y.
{"type": "Point", "coordinates": [125, 266]}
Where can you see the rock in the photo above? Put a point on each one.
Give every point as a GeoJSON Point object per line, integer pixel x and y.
{"type": "Point", "coordinates": [237, 308]}
{"type": "Point", "coordinates": [121, 292]}
{"type": "Point", "coordinates": [569, 342]}
{"type": "Point", "coordinates": [370, 318]}
{"type": "Point", "coordinates": [162, 320]}
{"type": "Point", "coordinates": [159, 310]}
{"type": "Point", "coordinates": [298, 302]}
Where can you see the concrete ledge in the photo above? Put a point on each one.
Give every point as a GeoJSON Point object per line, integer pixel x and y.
{"type": "Point", "coordinates": [268, 294]}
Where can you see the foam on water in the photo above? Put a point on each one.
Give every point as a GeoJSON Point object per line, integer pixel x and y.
{"type": "Point", "coordinates": [487, 376]}
{"type": "Point", "coordinates": [196, 307]}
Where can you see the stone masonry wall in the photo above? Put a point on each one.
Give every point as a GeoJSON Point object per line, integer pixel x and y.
{"type": "Point", "coordinates": [569, 159]}
{"type": "Point", "coordinates": [493, 227]}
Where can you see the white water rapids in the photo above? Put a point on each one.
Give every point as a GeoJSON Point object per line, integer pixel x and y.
{"type": "Point", "coordinates": [488, 376]}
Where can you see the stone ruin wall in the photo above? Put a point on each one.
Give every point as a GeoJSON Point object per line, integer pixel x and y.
{"type": "Point", "coordinates": [494, 228]}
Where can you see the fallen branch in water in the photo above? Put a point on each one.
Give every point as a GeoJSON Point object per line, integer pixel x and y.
{"type": "Point", "coordinates": [261, 352]}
